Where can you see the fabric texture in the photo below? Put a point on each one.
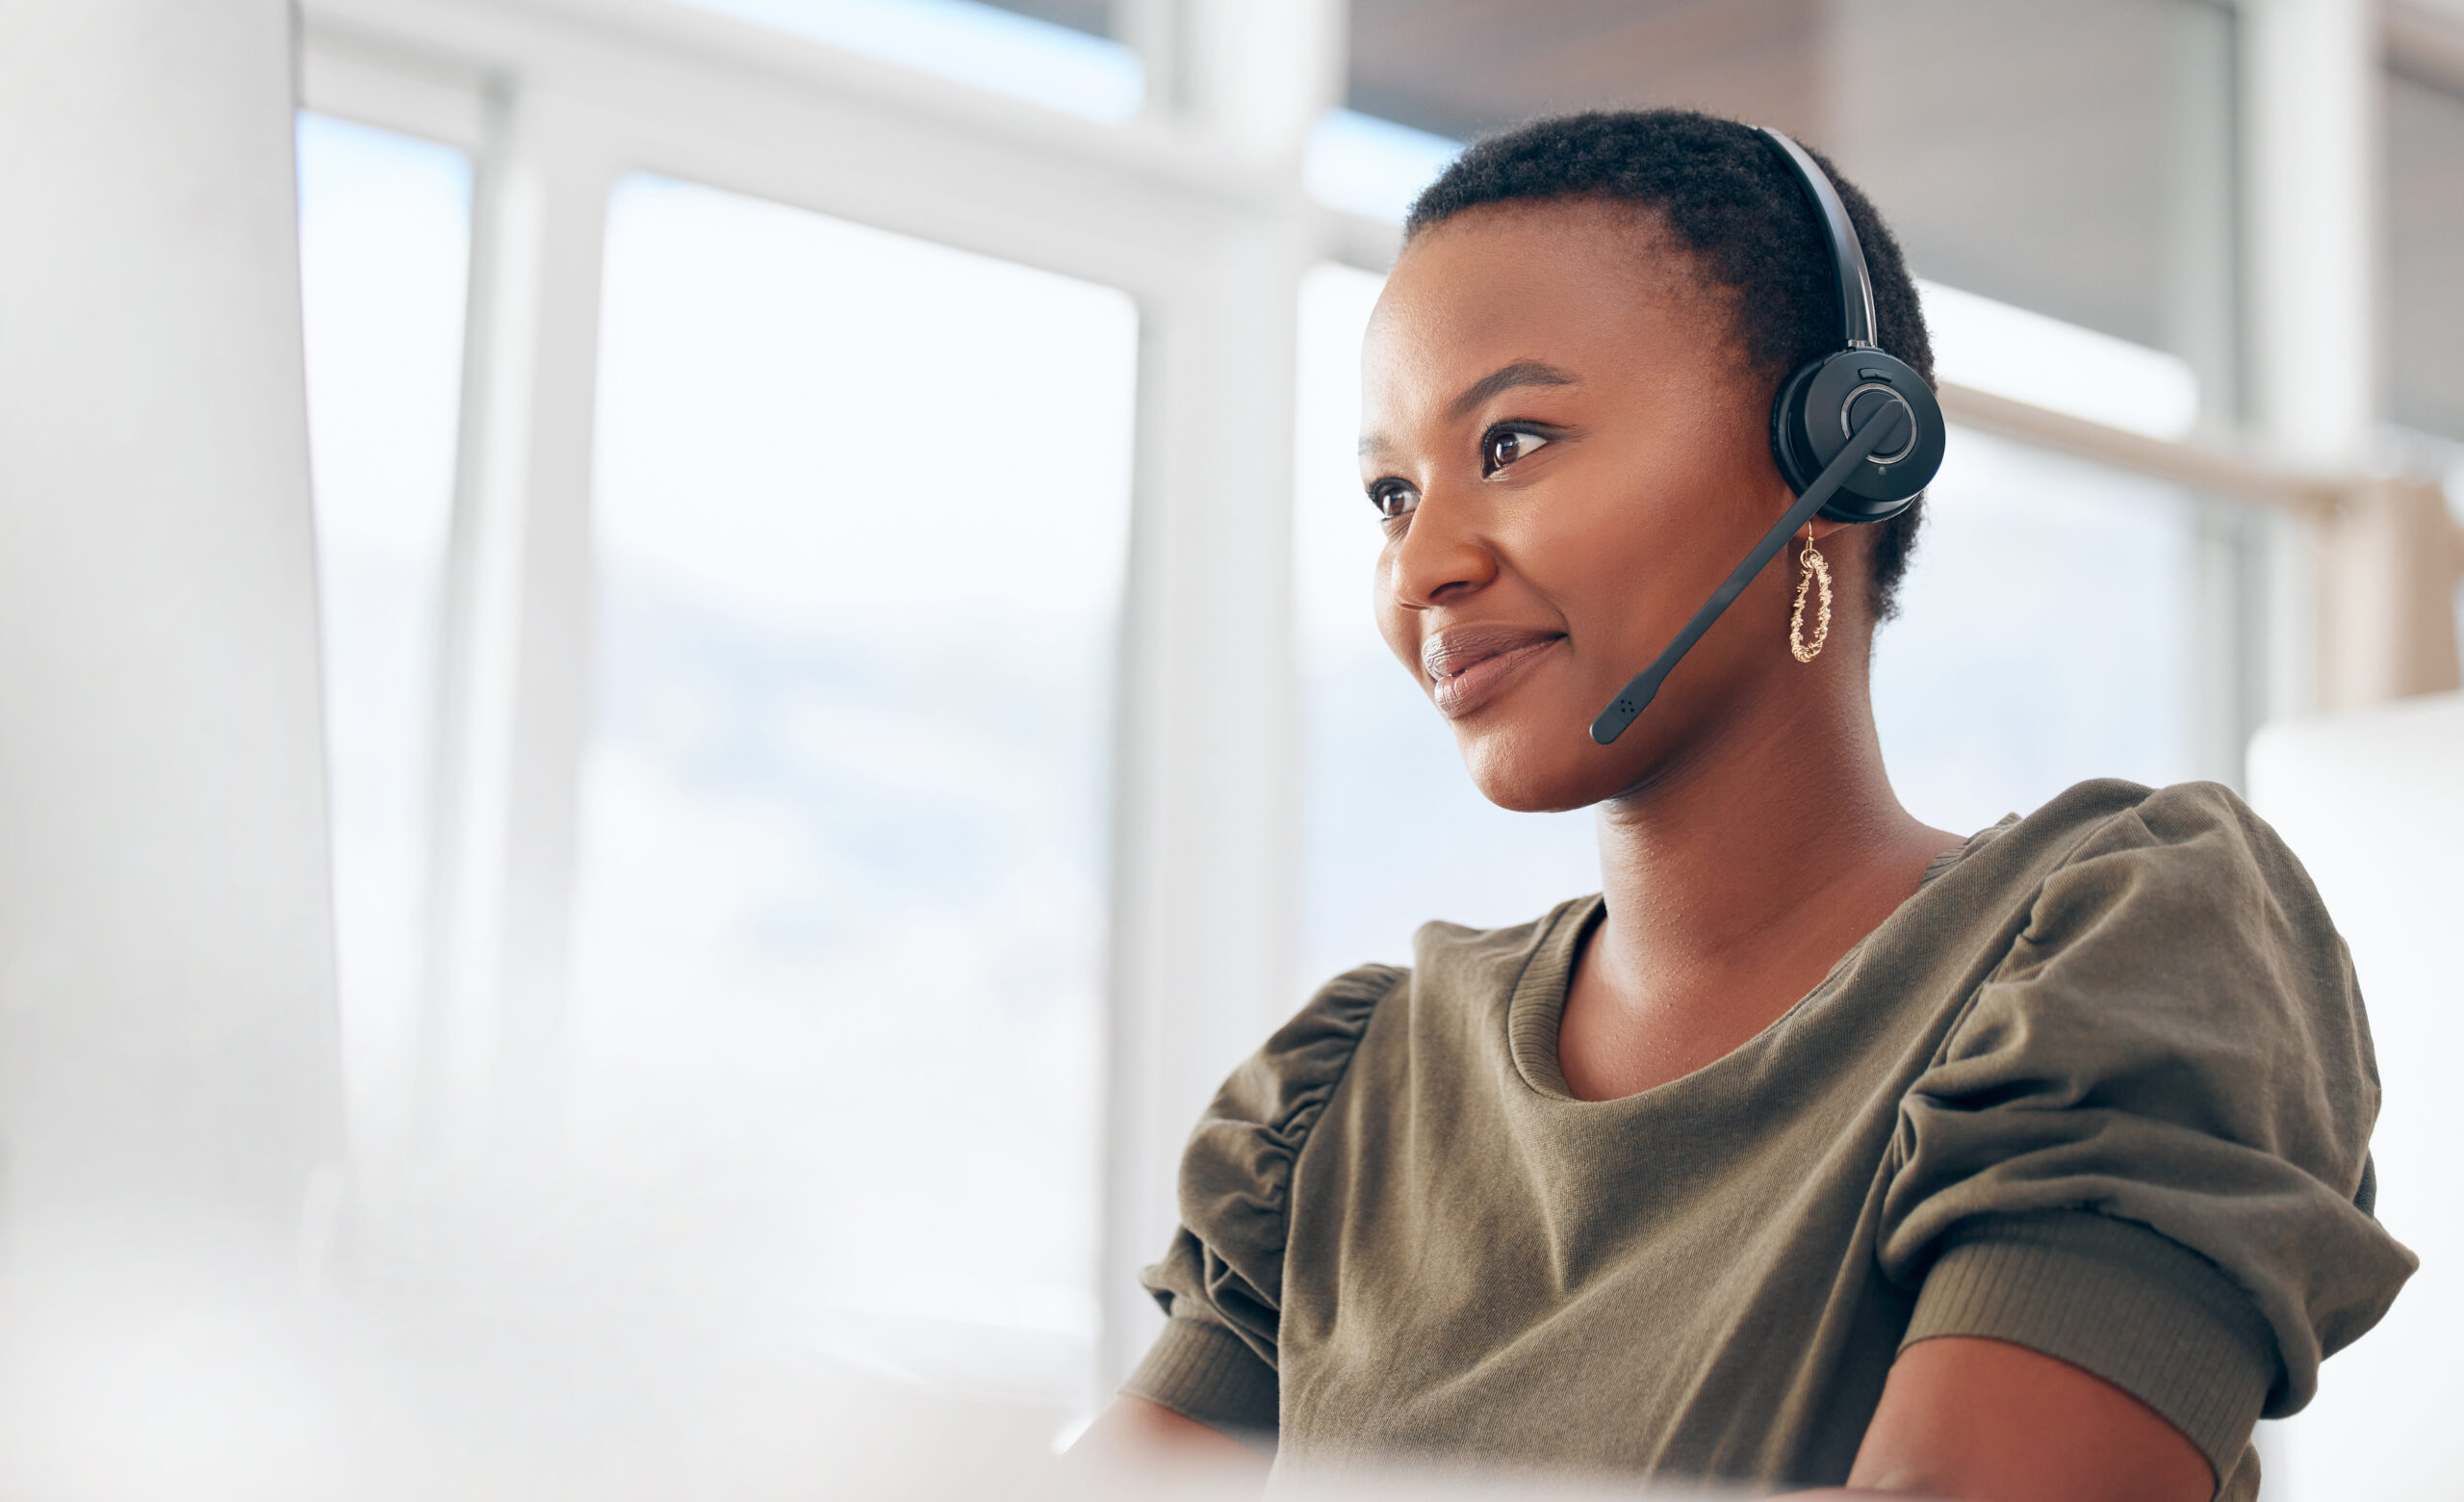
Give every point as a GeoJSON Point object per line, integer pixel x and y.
{"type": "Point", "coordinates": [1203, 1371]}
{"type": "Point", "coordinates": [2102, 1088]}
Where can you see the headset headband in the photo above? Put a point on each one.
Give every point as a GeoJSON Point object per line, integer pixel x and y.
{"type": "Point", "coordinates": [1847, 251]}
{"type": "Point", "coordinates": [1887, 448]}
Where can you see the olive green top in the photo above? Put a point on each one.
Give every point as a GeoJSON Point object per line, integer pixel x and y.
{"type": "Point", "coordinates": [2102, 1087]}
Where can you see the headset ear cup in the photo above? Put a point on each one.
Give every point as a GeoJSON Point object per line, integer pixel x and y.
{"type": "Point", "coordinates": [1788, 448]}
{"type": "Point", "coordinates": [1815, 411]}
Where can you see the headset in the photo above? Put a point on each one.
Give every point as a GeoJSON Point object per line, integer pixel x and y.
{"type": "Point", "coordinates": [1856, 432]}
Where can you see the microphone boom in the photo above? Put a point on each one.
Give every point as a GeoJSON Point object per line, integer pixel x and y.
{"type": "Point", "coordinates": [1637, 694]}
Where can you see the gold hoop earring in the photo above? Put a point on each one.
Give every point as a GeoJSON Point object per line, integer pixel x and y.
{"type": "Point", "coordinates": [1813, 572]}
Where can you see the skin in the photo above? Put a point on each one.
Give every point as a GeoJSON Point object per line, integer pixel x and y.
{"type": "Point", "coordinates": [1749, 835]}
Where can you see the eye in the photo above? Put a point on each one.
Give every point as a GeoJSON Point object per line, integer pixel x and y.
{"type": "Point", "coordinates": [1502, 446]}
{"type": "Point", "coordinates": [1393, 499]}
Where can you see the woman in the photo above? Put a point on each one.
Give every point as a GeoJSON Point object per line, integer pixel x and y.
{"type": "Point", "coordinates": [1822, 1148]}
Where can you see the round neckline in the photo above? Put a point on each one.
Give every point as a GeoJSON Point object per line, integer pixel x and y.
{"type": "Point", "coordinates": [1537, 1003]}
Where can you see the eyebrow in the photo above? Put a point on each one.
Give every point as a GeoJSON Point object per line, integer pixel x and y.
{"type": "Point", "coordinates": [1522, 372]}
{"type": "Point", "coordinates": [1505, 377]}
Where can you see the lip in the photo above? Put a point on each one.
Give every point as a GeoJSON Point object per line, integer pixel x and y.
{"type": "Point", "coordinates": [1469, 667]}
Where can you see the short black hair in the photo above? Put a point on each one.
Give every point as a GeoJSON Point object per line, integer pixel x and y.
{"type": "Point", "coordinates": [1723, 191]}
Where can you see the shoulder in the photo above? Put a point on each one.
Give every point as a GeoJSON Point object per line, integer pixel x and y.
{"type": "Point", "coordinates": [1235, 1185]}
{"type": "Point", "coordinates": [1258, 1123]}
{"type": "Point", "coordinates": [2163, 878]}
{"type": "Point", "coordinates": [2107, 813]}
{"type": "Point", "coordinates": [2191, 863]}
{"type": "Point", "coordinates": [2172, 1037]}
{"type": "Point", "coordinates": [2208, 821]}
{"type": "Point", "coordinates": [2172, 978]}
{"type": "Point", "coordinates": [1245, 1144]}
{"type": "Point", "coordinates": [2200, 825]}
{"type": "Point", "coordinates": [2177, 908]}
{"type": "Point", "coordinates": [1277, 1088]}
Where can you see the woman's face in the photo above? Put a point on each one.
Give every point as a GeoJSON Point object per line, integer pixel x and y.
{"type": "Point", "coordinates": [1569, 454]}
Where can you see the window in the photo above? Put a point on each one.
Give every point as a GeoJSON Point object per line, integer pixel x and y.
{"type": "Point", "coordinates": [2426, 252]}
{"type": "Point", "coordinates": [861, 520]}
{"type": "Point", "coordinates": [384, 251]}
{"type": "Point", "coordinates": [1054, 53]}
{"type": "Point", "coordinates": [2076, 159]}
{"type": "Point", "coordinates": [2048, 634]}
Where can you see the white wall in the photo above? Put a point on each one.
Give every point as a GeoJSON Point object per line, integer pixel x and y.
{"type": "Point", "coordinates": [2373, 804]}
{"type": "Point", "coordinates": [168, 1088]}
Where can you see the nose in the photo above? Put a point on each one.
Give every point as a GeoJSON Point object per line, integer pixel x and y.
{"type": "Point", "coordinates": [1441, 555]}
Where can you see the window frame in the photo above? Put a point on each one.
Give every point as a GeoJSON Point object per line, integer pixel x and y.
{"type": "Point", "coordinates": [1197, 211]}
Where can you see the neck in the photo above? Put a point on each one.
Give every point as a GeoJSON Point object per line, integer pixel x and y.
{"type": "Point", "coordinates": [1734, 879]}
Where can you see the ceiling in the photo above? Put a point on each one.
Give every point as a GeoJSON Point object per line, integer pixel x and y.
{"type": "Point", "coordinates": [2052, 156]}
{"type": "Point", "coordinates": [1087, 15]}
{"type": "Point", "coordinates": [2076, 159]}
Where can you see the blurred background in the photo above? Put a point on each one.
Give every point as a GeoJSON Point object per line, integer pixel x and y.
{"type": "Point", "coordinates": [825, 667]}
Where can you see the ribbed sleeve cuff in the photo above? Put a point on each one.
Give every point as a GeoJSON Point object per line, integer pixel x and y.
{"type": "Point", "coordinates": [1203, 1372]}
{"type": "Point", "coordinates": [2118, 1299]}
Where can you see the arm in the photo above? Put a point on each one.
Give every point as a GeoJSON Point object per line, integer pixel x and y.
{"type": "Point", "coordinates": [1971, 1420]}
{"type": "Point", "coordinates": [1135, 1432]}
{"type": "Point", "coordinates": [1960, 1420]}
{"type": "Point", "coordinates": [2139, 1150]}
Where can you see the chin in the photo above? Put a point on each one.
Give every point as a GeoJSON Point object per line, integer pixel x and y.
{"type": "Point", "coordinates": [1530, 768]}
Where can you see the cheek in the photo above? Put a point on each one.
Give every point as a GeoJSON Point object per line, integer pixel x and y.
{"type": "Point", "coordinates": [1596, 552]}
{"type": "Point", "coordinates": [1651, 537]}
{"type": "Point", "coordinates": [1394, 623]}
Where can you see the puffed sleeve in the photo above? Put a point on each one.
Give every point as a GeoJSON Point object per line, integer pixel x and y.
{"type": "Point", "coordinates": [1221, 1282]}
{"type": "Point", "coordinates": [2144, 1148]}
